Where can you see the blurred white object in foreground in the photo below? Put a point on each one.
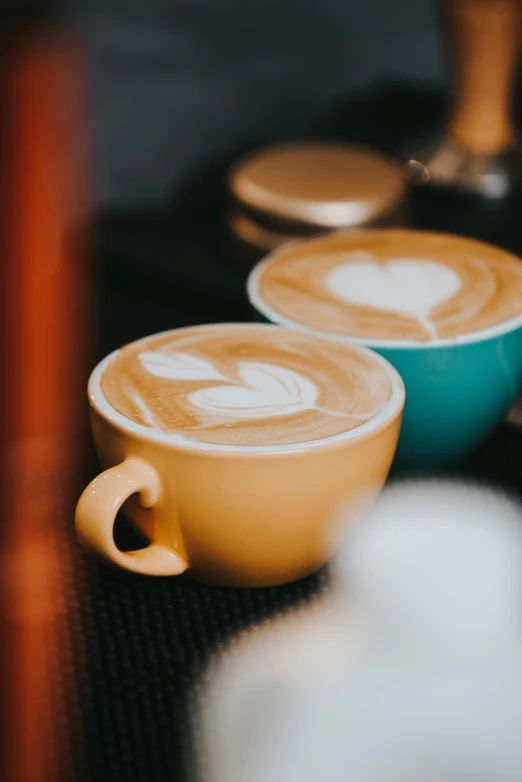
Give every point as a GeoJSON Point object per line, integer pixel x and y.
{"type": "Point", "coordinates": [440, 564]}
{"type": "Point", "coordinates": [410, 671]}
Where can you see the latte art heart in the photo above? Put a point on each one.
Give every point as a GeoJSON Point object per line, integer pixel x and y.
{"type": "Point", "coordinates": [265, 390]}
{"type": "Point", "coordinates": [268, 390]}
{"type": "Point", "coordinates": [391, 285]}
{"type": "Point", "coordinates": [280, 387]}
{"type": "Point", "coordinates": [410, 286]}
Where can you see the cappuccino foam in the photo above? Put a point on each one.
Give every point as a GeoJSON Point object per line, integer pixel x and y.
{"type": "Point", "coordinates": [246, 385]}
{"type": "Point", "coordinates": [392, 285]}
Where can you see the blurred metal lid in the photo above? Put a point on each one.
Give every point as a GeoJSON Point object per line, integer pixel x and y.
{"type": "Point", "coordinates": [323, 184]}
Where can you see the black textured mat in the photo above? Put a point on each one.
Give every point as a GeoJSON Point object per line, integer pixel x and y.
{"type": "Point", "coordinates": [146, 641]}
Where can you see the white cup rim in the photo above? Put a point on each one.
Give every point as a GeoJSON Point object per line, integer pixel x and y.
{"type": "Point", "coordinates": [101, 405]}
{"type": "Point", "coordinates": [257, 301]}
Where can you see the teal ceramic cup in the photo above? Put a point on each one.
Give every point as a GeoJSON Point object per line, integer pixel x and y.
{"type": "Point", "coordinates": [455, 395]}
{"type": "Point", "coordinates": [457, 390]}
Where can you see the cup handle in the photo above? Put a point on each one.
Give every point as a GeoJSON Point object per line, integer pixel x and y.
{"type": "Point", "coordinates": [96, 512]}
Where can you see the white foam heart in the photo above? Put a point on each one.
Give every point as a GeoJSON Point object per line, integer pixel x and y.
{"type": "Point", "coordinates": [265, 390]}
{"type": "Point", "coordinates": [408, 286]}
{"type": "Point", "coordinates": [268, 390]}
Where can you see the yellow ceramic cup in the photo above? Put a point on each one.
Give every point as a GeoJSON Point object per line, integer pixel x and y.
{"type": "Point", "coordinates": [232, 515]}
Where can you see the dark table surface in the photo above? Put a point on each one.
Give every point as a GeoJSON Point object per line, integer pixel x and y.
{"type": "Point", "coordinates": [144, 642]}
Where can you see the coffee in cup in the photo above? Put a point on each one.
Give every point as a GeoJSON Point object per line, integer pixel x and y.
{"type": "Point", "coordinates": [263, 389]}
{"type": "Point", "coordinates": [243, 442]}
{"type": "Point", "coordinates": [445, 310]}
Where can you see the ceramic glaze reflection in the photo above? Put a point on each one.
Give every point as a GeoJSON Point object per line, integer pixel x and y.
{"type": "Point", "coordinates": [262, 386]}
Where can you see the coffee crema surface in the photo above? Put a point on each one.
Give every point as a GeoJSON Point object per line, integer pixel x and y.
{"type": "Point", "coordinates": [392, 285]}
{"type": "Point", "coordinates": [248, 385]}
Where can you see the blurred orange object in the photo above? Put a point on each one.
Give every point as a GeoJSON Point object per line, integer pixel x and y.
{"type": "Point", "coordinates": [42, 288]}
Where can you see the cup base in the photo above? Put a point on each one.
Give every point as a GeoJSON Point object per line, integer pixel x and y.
{"type": "Point", "coordinates": [253, 580]}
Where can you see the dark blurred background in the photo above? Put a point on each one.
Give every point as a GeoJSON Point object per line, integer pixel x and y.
{"type": "Point", "coordinates": [181, 88]}
{"type": "Point", "coordinates": [178, 83]}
